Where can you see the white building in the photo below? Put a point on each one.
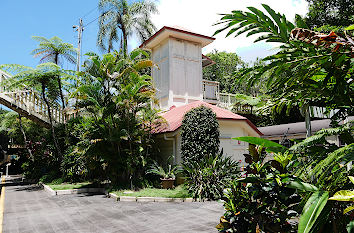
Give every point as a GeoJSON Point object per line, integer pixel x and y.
{"type": "Point", "coordinates": [180, 87]}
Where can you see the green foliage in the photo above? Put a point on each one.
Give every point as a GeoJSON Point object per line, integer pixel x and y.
{"type": "Point", "coordinates": [60, 185]}
{"type": "Point", "coordinates": [207, 178]}
{"type": "Point", "coordinates": [262, 200]}
{"type": "Point", "coordinates": [226, 64]}
{"type": "Point", "coordinates": [312, 211]}
{"type": "Point", "coordinates": [10, 126]}
{"type": "Point", "coordinates": [274, 28]}
{"type": "Point", "coordinates": [322, 162]}
{"type": "Point", "coordinates": [269, 145]}
{"type": "Point", "coordinates": [300, 74]}
{"type": "Point", "coordinates": [114, 130]}
{"type": "Point", "coordinates": [334, 13]}
{"type": "Point", "coordinates": [200, 135]}
{"type": "Point", "coordinates": [75, 166]}
{"type": "Point", "coordinates": [350, 227]}
{"type": "Point", "coordinates": [178, 192]}
{"type": "Point", "coordinates": [345, 195]}
{"type": "Point", "coordinates": [169, 173]}
{"type": "Point", "coordinates": [119, 19]}
{"type": "Point", "coordinates": [54, 50]}
{"type": "Point", "coordinates": [309, 69]}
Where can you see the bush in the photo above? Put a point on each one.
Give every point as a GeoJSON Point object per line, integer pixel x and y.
{"type": "Point", "coordinates": [207, 178]}
{"type": "Point", "coordinates": [262, 201]}
{"type": "Point", "coordinates": [200, 135]}
{"type": "Point", "coordinates": [74, 166]}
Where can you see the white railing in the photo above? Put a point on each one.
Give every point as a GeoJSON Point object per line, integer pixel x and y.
{"type": "Point", "coordinates": [226, 100]}
{"type": "Point", "coordinates": [29, 102]}
{"type": "Point", "coordinates": [211, 94]}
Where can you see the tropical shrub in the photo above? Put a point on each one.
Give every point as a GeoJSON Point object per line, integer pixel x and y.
{"type": "Point", "coordinates": [208, 177]}
{"type": "Point", "coordinates": [207, 171]}
{"type": "Point", "coordinates": [326, 166]}
{"type": "Point", "coordinates": [200, 135]}
{"type": "Point", "coordinates": [166, 173]}
{"type": "Point", "coordinates": [114, 130]}
{"type": "Point", "coordinates": [261, 201]}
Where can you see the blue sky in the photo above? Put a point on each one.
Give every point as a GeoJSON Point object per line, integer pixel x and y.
{"type": "Point", "coordinates": [21, 19]}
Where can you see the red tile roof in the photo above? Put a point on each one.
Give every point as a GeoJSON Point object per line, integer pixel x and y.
{"type": "Point", "coordinates": [175, 115]}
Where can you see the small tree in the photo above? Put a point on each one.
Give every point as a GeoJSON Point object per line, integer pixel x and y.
{"type": "Point", "coordinates": [200, 134]}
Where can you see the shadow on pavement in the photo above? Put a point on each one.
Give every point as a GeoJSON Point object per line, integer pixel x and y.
{"type": "Point", "coordinates": [29, 188]}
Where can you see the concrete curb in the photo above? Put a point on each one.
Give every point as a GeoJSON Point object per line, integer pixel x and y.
{"type": "Point", "coordinates": [48, 189]}
{"type": "Point", "coordinates": [71, 191]}
{"type": "Point", "coordinates": [150, 199]}
{"type": "Point", "coordinates": [112, 195]}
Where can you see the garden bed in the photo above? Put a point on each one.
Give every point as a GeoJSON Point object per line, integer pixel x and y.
{"type": "Point", "coordinates": [178, 192]}
{"type": "Point", "coordinates": [76, 188]}
{"type": "Point", "coordinates": [66, 186]}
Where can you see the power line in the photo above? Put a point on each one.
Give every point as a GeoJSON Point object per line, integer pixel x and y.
{"type": "Point", "coordinates": [89, 12]}
{"type": "Point", "coordinates": [98, 17]}
{"type": "Point", "coordinates": [91, 22]}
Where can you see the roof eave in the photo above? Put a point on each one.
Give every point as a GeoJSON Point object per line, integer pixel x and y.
{"type": "Point", "coordinates": [145, 44]}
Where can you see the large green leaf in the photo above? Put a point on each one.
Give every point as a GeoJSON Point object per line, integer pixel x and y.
{"type": "Point", "coordinates": [249, 179]}
{"type": "Point", "coordinates": [312, 210]}
{"type": "Point", "coordinates": [343, 195]}
{"type": "Point", "coordinates": [302, 186]}
{"type": "Point", "coordinates": [260, 142]}
{"type": "Point", "coordinates": [351, 178]}
{"type": "Point", "coordinates": [350, 227]}
{"type": "Point", "coordinates": [348, 209]}
{"type": "Point", "coordinates": [350, 27]}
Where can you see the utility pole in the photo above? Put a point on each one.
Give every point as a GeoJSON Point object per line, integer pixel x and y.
{"type": "Point", "coordinates": [79, 29]}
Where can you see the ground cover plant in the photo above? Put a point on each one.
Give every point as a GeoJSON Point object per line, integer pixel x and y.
{"type": "Point", "coordinates": [178, 192]}
{"type": "Point", "coordinates": [66, 186]}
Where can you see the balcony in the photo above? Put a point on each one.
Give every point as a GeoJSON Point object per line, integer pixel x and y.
{"type": "Point", "coordinates": [212, 95]}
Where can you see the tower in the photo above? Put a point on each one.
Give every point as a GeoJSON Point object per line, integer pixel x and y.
{"type": "Point", "coordinates": [178, 56]}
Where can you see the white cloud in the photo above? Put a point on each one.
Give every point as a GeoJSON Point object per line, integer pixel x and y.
{"type": "Point", "coordinates": [199, 16]}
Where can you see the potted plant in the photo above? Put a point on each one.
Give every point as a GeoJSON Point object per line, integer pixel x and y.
{"type": "Point", "coordinates": [168, 176]}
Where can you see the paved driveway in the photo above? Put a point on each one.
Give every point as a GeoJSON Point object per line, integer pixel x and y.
{"type": "Point", "coordinates": [30, 209]}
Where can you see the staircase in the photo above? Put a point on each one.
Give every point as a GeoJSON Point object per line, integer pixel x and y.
{"type": "Point", "coordinates": [29, 104]}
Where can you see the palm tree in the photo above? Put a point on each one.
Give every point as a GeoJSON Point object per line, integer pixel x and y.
{"type": "Point", "coordinates": [119, 20]}
{"type": "Point", "coordinates": [115, 96]}
{"type": "Point", "coordinates": [56, 51]}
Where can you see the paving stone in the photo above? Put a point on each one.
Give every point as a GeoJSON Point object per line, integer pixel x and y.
{"type": "Point", "coordinates": [31, 209]}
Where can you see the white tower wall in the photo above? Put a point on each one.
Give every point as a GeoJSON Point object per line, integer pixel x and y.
{"type": "Point", "coordinates": [178, 77]}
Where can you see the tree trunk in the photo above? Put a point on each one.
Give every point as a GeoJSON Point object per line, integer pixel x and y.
{"type": "Point", "coordinates": [61, 93]}
{"type": "Point", "coordinates": [59, 82]}
{"type": "Point", "coordinates": [308, 121]}
{"type": "Point", "coordinates": [125, 41]}
{"type": "Point", "coordinates": [25, 138]}
{"type": "Point", "coordinates": [51, 123]}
